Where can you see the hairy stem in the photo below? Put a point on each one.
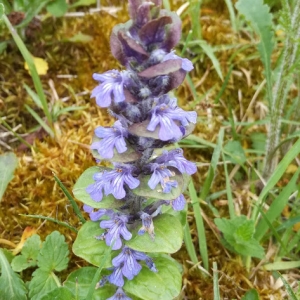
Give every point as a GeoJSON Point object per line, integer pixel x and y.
{"type": "Point", "coordinates": [281, 89]}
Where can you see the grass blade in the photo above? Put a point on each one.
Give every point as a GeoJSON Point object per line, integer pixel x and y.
{"type": "Point", "coordinates": [231, 14]}
{"type": "Point", "coordinates": [97, 274]}
{"type": "Point", "coordinates": [199, 224]}
{"type": "Point", "coordinates": [213, 166]}
{"type": "Point", "coordinates": [194, 12]}
{"type": "Point", "coordinates": [276, 207]}
{"type": "Point", "coordinates": [33, 96]}
{"type": "Point", "coordinates": [228, 190]}
{"type": "Point", "coordinates": [33, 72]}
{"type": "Point", "coordinates": [209, 51]}
{"type": "Point", "coordinates": [15, 134]}
{"type": "Point", "coordinates": [189, 244]}
{"type": "Point", "coordinates": [216, 282]}
{"type": "Point", "coordinates": [279, 171]}
{"type": "Point", "coordinates": [288, 288]}
{"type": "Point", "coordinates": [40, 120]}
{"type": "Point", "coordinates": [51, 220]}
{"type": "Point", "coordinates": [258, 14]}
{"type": "Point", "coordinates": [71, 199]}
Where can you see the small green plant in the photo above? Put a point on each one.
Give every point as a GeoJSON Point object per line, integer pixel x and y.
{"type": "Point", "coordinates": [238, 236]}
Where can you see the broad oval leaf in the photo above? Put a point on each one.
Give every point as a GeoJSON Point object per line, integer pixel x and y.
{"type": "Point", "coordinates": [88, 247]}
{"type": "Point", "coordinates": [168, 236]}
{"type": "Point", "coordinates": [180, 215]}
{"type": "Point", "coordinates": [60, 293]}
{"type": "Point", "coordinates": [127, 156]}
{"type": "Point", "coordinates": [8, 164]}
{"type": "Point", "coordinates": [145, 191]}
{"type": "Point", "coordinates": [165, 284]}
{"type": "Point", "coordinates": [79, 282]}
{"type": "Point", "coordinates": [85, 179]}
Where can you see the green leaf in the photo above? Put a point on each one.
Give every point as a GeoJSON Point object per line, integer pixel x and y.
{"type": "Point", "coordinates": [83, 3]}
{"type": "Point", "coordinates": [238, 236]}
{"type": "Point", "coordinates": [251, 295]}
{"type": "Point", "coordinates": [32, 9]}
{"type": "Point", "coordinates": [144, 190]}
{"type": "Point", "coordinates": [3, 45]}
{"type": "Point", "coordinates": [277, 206]}
{"type": "Point", "coordinates": [258, 141]}
{"type": "Point", "coordinates": [86, 179]}
{"type": "Point", "coordinates": [168, 236]}
{"type": "Point", "coordinates": [88, 247]}
{"type": "Point", "coordinates": [258, 14]}
{"type": "Point", "coordinates": [60, 293]}
{"type": "Point", "coordinates": [79, 281]}
{"type": "Point", "coordinates": [235, 152]}
{"type": "Point", "coordinates": [57, 8]}
{"type": "Point", "coordinates": [42, 283]}
{"type": "Point", "coordinates": [128, 156]}
{"type": "Point", "coordinates": [8, 254]}
{"type": "Point", "coordinates": [11, 286]}
{"type": "Point", "coordinates": [209, 51]}
{"type": "Point", "coordinates": [80, 38]}
{"type": "Point", "coordinates": [34, 96]}
{"type": "Point", "coordinates": [5, 8]}
{"type": "Point", "coordinates": [245, 231]}
{"type": "Point", "coordinates": [179, 215]}
{"type": "Point", "coordinates": [165, 284]}
{"type": "Point", "coordinates": [40, 120]}
{"type": "Point", "coordinates": [8, 164]}
{"type": "Point", "coordinates": [54, 253]}
{"type": "Point", "coordinates": [29, 254]}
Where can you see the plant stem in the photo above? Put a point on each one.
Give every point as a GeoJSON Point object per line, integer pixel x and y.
{"type": "Point", "coordinates": [281, 89]}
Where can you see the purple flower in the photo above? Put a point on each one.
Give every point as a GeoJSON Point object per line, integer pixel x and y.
{"type": "Point", "coordinates": [178, 203]}
{"type": "Point", "coordinates": [119, 295]}
{"type": "Point", "coordinates": [116, 277]}
{"type": "Point", "coordinates": [186, 64]}
{"type": "Point", "coordinates": [94, 216]}
{"type": "Point", "coordinates": [127, 259]}
{"type": "Point", "coordinates": [96, 189]}
{"type": "Point", "coordinates": [113, 182]}
{"type": "Point", "coordinates": [112, 85]}
{"type": "Point", "coordinates": [116, 227]}
{"type": "Point", "coordinates": [175, 158]}
{"type": "Point", "coordinates": [167, 114]}
{"type": "Point", "coordinates": [148, 225]}
{"type": "Point", "coordinates": [161, 174]}
{"type": "Point", "coordinates": [112, 137]}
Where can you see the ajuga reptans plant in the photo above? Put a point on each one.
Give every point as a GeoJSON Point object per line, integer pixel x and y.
{"type": "Point", "coordinates": [138, 202]}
